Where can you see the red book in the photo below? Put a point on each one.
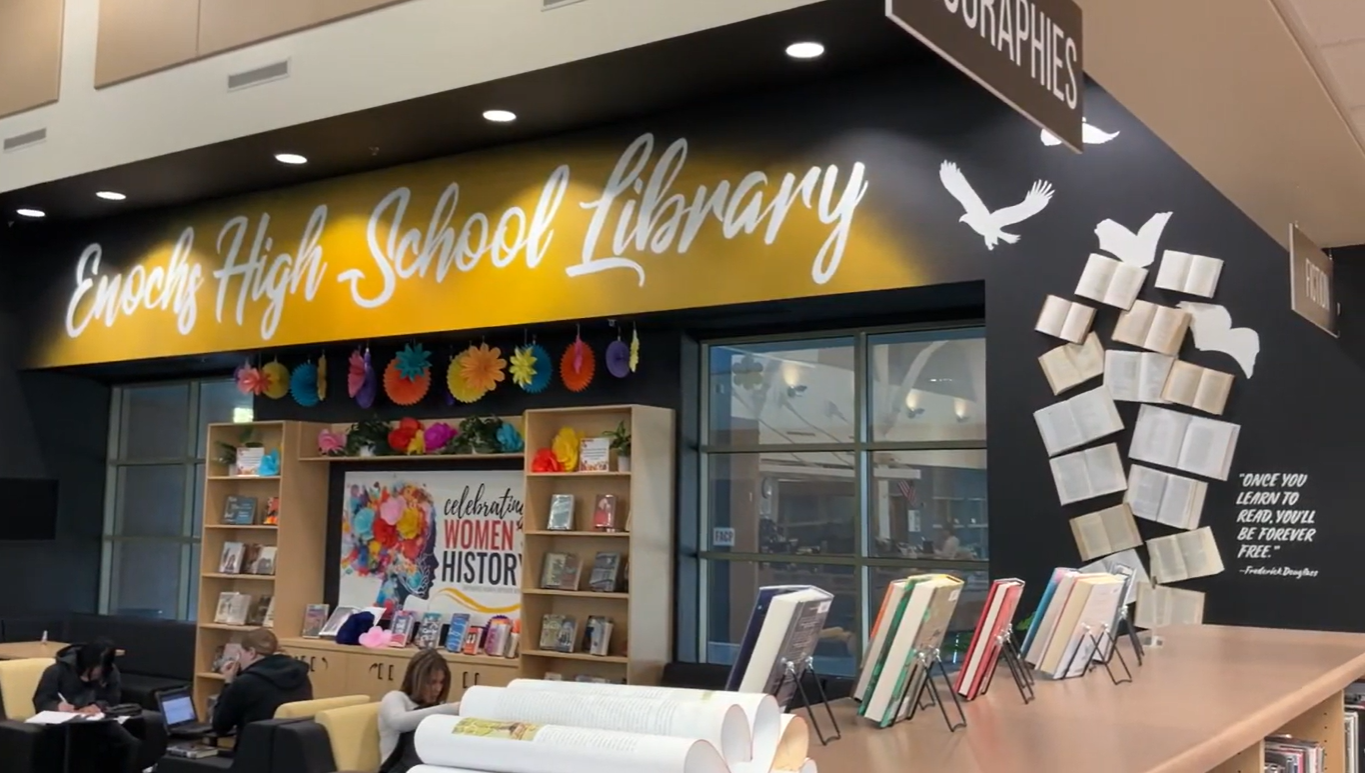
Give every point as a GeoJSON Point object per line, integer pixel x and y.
{"type": "Point", "coordinates": [984, 651]}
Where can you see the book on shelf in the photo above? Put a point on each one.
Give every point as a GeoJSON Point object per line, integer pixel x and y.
{"type": "Point", "coordinates": [1353, 738]}
{"type": "Point", "coordinates": [1296, 755]}
{"type": "Point", "coordinates": [983, 653]}
{"type": "Point", "coordinates": [1067, 320]}
{"type": "Point", "coordinates": [1165, 497]}
{"type": "Point", "coordinates": [594, 454]}
{"type": "Point", "coordinates": [314, 619]}
{"type": "Point", "coordinates": [1184, 442]}
{"type": "Point", "coordinates": [233, 608]}
{"type": "Point", "coordinates": [762, 601]}
{"type": "Point", "coordinates": [497, 638]}
{"type": "Point", "coordinates": [339, 617]}
{"type": "Point", "coordinates": [599, 634]}
{"type": "Point", "coordinates": [1125, 563]}
{"type": "Point", "coordinates": [561, 513]}
{"type": "Point", "coordinates": [1136, 377]}
{"type": "Point", "coordinates": [251, 553]}
{"type": "Point", "coordinates": [558, 633]}
{"type": "Point", "coordinates": [259, 610]}
{"type": "Point", "coordinates": [1161, 605]}
{"type": "Point", "coordinates": [1193, 386]}
{"type": "Point", "coordinates": [1070, 365]}
{"type": "Point", "coordinates": [1081, 621]}
{"type": "Point", "coordinates": [272, 512]}
{"type": "Point", "coordinates": [1078, 420]}
{"type": "Point", "coordinates": [473, 641]}
{"type": "Point", "coordinates": [1152, 327]}
{"type": "Point", "coordinates": [1105, 531]}
{"type": "Point", "coordinates": [429, 631]}
{"type": "Point", "coordinates": [606, 573]}
{"type": "Point", "coordinates": [788, 634]}
{"type": "Point", "coordinates": [1184, 556]}
{"type": "Point", "coordinates": [264, 562]}
{"type": "Point", "coordinates": [249, 460]}
{"type": "Point", "coordinates": [230, 561]}
{"type": "Point", "coordinates": [403, 626]}
{"type": "Point", "coordinates": [1189, 274]}
{"type": "Point", "coordinates": [1111, 282]}
{"type": "Point", "coordinates": [604, 513]}
{"type": "Point", "coordinates": [916, 629]}
{"type": "Point", "coordinates": [269, 621]}
{"type": "Point", "coordinates": [459, 625]}
{"type": "Point", "coordinates": [239, 510]}
{"type": "Point", "coordinates": [1087, 474]}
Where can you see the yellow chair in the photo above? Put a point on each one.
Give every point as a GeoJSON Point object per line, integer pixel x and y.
{"type": "Point", "coordinates": [308, 709]}
{"type": "Point", "coordinates": [18, 681]}
{"type": "Point", "coordinates": [353, 733]}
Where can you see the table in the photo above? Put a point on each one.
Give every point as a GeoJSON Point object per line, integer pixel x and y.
{"type": "Point", "coordinates": [20, 650]}
{"type": "Point", "coordinates": [1202, 702]}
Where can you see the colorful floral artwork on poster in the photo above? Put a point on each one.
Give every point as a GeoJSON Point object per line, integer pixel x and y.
{"type": "Point", "coordinates": [437, 541]}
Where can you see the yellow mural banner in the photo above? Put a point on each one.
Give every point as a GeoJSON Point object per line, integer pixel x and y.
{"type": "Point", "coordinates": [521, 235]}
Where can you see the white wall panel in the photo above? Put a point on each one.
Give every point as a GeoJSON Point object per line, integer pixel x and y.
{"type": "Point", "coordinates": [405, 51]}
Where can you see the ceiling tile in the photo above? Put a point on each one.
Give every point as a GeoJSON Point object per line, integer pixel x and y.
{"type": "Point", "coordinates": [1346, 68]}
{"type": "Point", "coordinates": [1330, 21]}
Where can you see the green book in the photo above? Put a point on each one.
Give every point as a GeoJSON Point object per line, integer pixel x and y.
{"type": "Point", "coordinates": [932, 627]}
{"type": "Point", "coordinates": [879, 661]}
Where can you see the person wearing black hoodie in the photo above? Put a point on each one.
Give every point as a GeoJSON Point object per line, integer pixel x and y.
{"type": "Point", "coordinates": [84, 680]}
{"type": "Point", "coordinates": [259, 681]}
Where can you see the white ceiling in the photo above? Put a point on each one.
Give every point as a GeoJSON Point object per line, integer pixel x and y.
{"type": "Point", "coordinates": [1332, 34]}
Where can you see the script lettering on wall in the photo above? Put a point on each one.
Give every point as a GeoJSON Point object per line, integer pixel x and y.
{"type": "Point", "coordinates": [1275, 522]}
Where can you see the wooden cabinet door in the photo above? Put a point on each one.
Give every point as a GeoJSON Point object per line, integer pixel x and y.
{"type": "Point", "coordinates": [327, 670]}
{"type": "Point", "coordinates": [463, 676]}
{"type": "Point", "coordinates": [374, 675]}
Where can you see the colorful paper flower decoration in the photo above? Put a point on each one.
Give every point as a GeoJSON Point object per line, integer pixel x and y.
{"type": "Point", "coordinates": [577, 366]}
{"type": "Point", "coordinates": [407, 438]}
{"type": "Point", "coordinates": [270, 464]}
{"type": "Point", "coordinates": [565, 447]}
{"type": "Point", "coordinates": [322, 377]}
{"type": "Point", "coordinates": [401, 390]}
{"type": "Point", "coordinates": [303, 385]}
{"type": "Point", "coordinates": [331, 443]}
{"type": "Point", "coordinates": [482, 367]}
{"type": "Point", "coordinates": [413, 362]}
{"type": "Point", "coordinates": [438, 435]}
{"type": "Point", "coordinates": [523, 366]}
{"type": "Point", "coordinates": [355, 373]}
{"type": "Point", "coordinates": [634, 350]}
{"type": "Point", "coordinates": [249, 380]}
{"type": "Point", "coordinates": [532, 368]}
{"type": "Point", "coordinates": [618, 358]}
{"type": "Point", "coordinates": [545, 461]}
{"type": "Point", "coordinates": [369, 385]}
{"type": "Point", "coordinates": [510, 440]}
{"type": "Point", "coordinates": [276, 379]}
{"type": "Point", "coordinates": [376, 638]}
{"type": "Point", "coordinates": [459, 386]}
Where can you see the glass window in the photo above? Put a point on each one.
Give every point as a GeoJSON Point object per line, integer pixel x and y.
{"type": "Point", "coordinates": [156, 473]}
{"type": "Point", "coordinates": [842, 461]}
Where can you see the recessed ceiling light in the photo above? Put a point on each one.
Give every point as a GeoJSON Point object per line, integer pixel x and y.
{"type": "Point", "coordinates": [26, 212]}
{"type": "Point", "coordinates": [499, 116]}
{"type": "Point", "coordinates": [805, 50]}
{"type": "Point", "coordinates": [111, 195]}
{"type": "Point", "coordinates": [293, 159]}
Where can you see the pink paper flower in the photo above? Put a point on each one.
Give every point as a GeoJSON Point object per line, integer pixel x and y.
{"type": "Point", "coordinates": [391, 511]}
{"type": "Point", "coordinates": [330, 442]}
{"type": "Point", "coordinates": [376, 638]}
{"type": "Point", "coordinates": [437, 435]}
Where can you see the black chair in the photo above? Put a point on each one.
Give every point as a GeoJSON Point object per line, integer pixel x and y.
{"type": "Point", "coordinates": [255, 753]}
{"type": "Point", "coordinates": [158, 654]}
{"type": "Point", "coordinates": [32, 627]}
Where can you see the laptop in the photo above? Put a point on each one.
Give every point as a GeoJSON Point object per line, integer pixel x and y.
{"type": "Point", "coordinates": [182, 721]}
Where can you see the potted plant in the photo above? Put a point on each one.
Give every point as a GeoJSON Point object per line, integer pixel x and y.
{"type": "Point", "coordinates": [229, 453]}
{"type": "Point", "coordinates": [368, 438]}
{"type": "Point", "coordinates": [479, 435]}
{"type": "Point", "coordinates": [620, 444]}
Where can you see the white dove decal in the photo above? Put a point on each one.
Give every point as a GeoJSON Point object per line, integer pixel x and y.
{"type": "Point", "coordinates": [1134, 249]}
{"type": "Point", "coordinates": [1213, 332]}
{"type": "Point", "coordinates": [985, 222]}
{"type": "Point", "coordinates": [1090, 135]}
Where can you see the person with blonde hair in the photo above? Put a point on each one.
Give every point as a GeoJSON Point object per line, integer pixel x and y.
{"type": "Point", "coordinates": [425, 690]}
{"type": "Point", "coordinates": [259, 681]}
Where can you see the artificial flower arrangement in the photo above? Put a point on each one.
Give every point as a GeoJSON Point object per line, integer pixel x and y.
{"type": "Point", "coordinates": [411, 437]}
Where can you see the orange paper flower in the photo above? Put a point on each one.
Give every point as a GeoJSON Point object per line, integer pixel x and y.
{"type": "Point", "coordinates": [459, 386]}
{"type": "Point", "coordinates": [403, 391]}
{"type": "Point", "coordinates": [482, 367]}
{"type": "Point", "coordinates": [577, 366]}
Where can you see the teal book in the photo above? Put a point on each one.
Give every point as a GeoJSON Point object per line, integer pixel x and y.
{"type": "Point", "coordinates": [879, 663]}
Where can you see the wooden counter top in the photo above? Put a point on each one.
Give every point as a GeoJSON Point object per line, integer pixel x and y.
{"type": "Point", "coordinates": [327, 645]}
{"type": "Point", "coordinates": [1201, 699]}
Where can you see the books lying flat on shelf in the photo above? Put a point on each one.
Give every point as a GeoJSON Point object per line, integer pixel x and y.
{"type": "Point", "coordinates": [1081, 622]}
{"type": "Point", "coordinates": [1184, 442]}
{"type": "Point", "coordinates": [1067, 320]}
{"type": "Point", "coordinates": [1152, 327]}
{"type": "Point", "coordinates": [1105, 531]}
{"type": "Point", "coordinates": [915, 629]}
{"type": "Point", "coordinates": [1124, 563]}
{"type": "Point", "coordinates": [1184, 556]}
{"type": "Point", "coordinates": [1161, 605]}
{"type": "Point", "coordinates": [1082, 419]}
{"type": "Point", "coordinates": [1189, 274]}
{"type": "Point", "coordinates": [1200, 388]}
{"type": "Point", "coordinates": [1111, 282]}
{"type": "Point", "coordinates": [984, 651]}
{"type": "Point", "coordinates": [239, 510]}
{"type": "Point", "coordinates": [788, 636]}
{"type": "Point", "coordinates": [1070, 365]}
{"type": "Point", "coordinates": [314, 618]}
{"type": "Point", "coordinates": [1165, 497]}
{"type": "Point", "coordinates": [1136, 377]}
{"type": "Point", "coordinates": [1088, 474]}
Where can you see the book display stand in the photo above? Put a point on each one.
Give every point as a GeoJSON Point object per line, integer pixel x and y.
{"type": "Point", "coordinates": [1098, 640]}
{"type": "Point", "coordinates": [1009, 653]}
{"type": "Point", "coordinates": [928, 693]}
{"type": "Point", "coordinates": [791, 674]}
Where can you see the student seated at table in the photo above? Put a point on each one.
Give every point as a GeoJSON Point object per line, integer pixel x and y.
{"type": "Point", "coordinates": [426, 686]}
{"type": "Point", "coordinates": [84, 680]}
{"type": "Point", "coordinates": [259, 681]}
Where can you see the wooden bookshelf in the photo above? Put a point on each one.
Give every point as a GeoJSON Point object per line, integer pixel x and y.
{"type": "Point", "coordinates": [300, 539]}
{"type": "Point", "coordinates": [642, 612]}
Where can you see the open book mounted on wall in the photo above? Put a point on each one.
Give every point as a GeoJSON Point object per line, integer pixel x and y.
{"type": "Point", "coordinates": [1165, 497]}
{"type": "Point", "coordinates": [1082, 419]}
{"type": "Point", "coordinates": [1184, 556]}
{"type": "Point", "coordinates": [1111, 282]}
{"type": "Point", "coordinates": [1070, 365]}
{"type": "Point", "coordinates": [1067, 320]}
{"type": "Point", "coordinates": [1152, 327]}
{"type": "Point", "coordinates": [1193, 386]}
{"type": "Point", "coordinates": [1190, 274]}
{"type": "Point", "coordinates": [1087, 474]}
{"type": "Point", "coordinates": [1136, 377]}
{"type": "Point", "coordinates": [1184, 442]}
{"type": "Point", "coordinates": [1105, 531]}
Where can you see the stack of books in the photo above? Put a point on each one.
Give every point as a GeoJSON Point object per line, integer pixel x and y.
{"type": "Point", "coordinates": [1295, 755]}
{"type": "Point", "coordinates": [987, 640]}
{"type": "Point", "coordinates": [914, 618]}
{"type": "Point", "coordinates": [1076, 613]}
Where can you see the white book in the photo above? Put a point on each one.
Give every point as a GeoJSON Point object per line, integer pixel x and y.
{"type": "Point", "coordinates": [1069, 365]}
{"type": "Point", "coordinates": [443, 741]}
{"type": "Point", "coordinates": [791, 630]}
{"type": "Point", "coordinates": [1105, 531]}
{"type": "Point", "coordinates": [1136, 377]}
{"type": "Point", "coordinates": [1083, 636]}
{"type": "Point", "coordinates": [1184, 442]}
{"type": "Point", "coordinates": [1165, 497]}
{"type": "Point", "coordinates": [1152, 327]}
{"type": "Point", "coordinates": [891, 602]}
{"type": "Point", "coordinates": [1111, 282]}
{"type": "Point", "coordinates": [1120, 563]}
{"type": "Point", "coordinates": [1159, 606]}
{"type": "Point", "coordinates": [1067, 320]}
{"type": "Point", "coordinates": [1048, 622]}
{"type": "Point", "coordinates": [897, 663]}
{"type": "Point", "coordinates": [723, 725]}
{"type": "Point", "coordinates": [1184, 556]}
{"type": "Point", "coordinates": [1203, 389]}
{"type": "Point", "coordinates": [1088, 474]}
{"type": "Point", "coordinates": [1189, 274]}
{"type": "Point", "coordinates": [1077, 421]}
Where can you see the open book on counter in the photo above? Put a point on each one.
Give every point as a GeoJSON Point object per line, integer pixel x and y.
{"type": "Point", "coordinates": [534, 726]}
